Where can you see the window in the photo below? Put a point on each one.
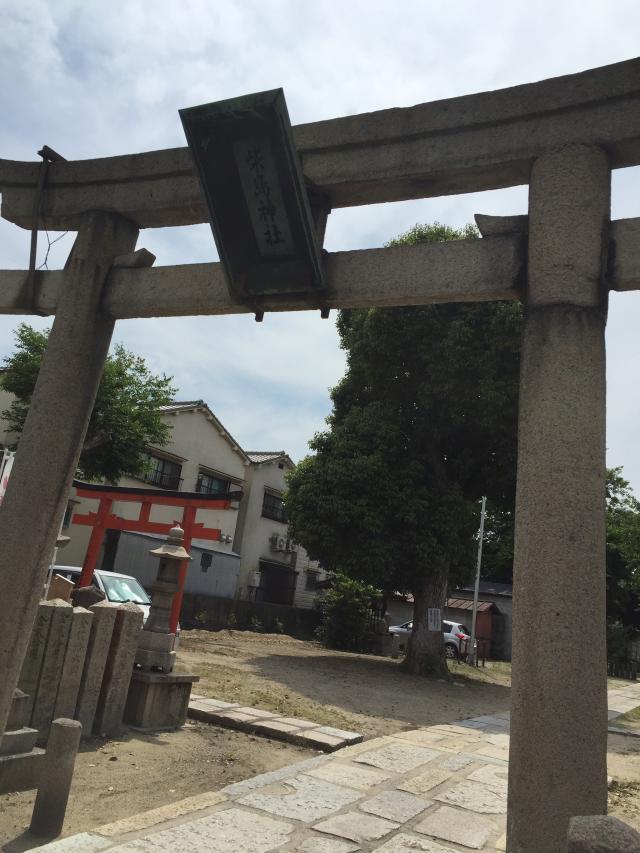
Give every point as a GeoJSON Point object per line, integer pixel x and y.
{"type": "Point", "coordinates": [273, 507]}
{"type": "Point", "coordinates": [163, 473]}
{"type": "Point", "coordinates": [206, 559]}
{"type": "Point", "coordinates": [212, 485]}
{"type": "Point", "coordinates": [312, 580]}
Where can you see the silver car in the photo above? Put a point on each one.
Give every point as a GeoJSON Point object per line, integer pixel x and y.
{"type": "Point", "coordinates": [454, 633]}
{"type": "Point", "coordinates": [117, 587]}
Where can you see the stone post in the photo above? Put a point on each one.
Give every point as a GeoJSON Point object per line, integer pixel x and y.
{"type": "Point", "coordinates": [52, 663]}
{"type": "Point", "coordinates": [53, 434]}
{"type": "Point", "coordinates": [559, 701]}
{"type": "Point", "coordinates": [119, 668]}
{"type": "Point", "coordinates": [600, 834]}
{"type": "Point", "coordinates": [55, 782]}
{"type": "Point", "coordinates": [104, 618]}
{"type": "Point", "coordinates": [73, 663]}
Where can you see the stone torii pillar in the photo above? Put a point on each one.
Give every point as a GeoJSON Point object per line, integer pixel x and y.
{"type": "Point", "coordinates": [559, 699]}
{"type": "Point", "coordinates": [53, 435]}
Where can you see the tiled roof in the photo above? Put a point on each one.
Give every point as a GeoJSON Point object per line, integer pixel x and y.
{"type": "Point", "coordinates": [492, 588]}
{"type": "Point", "coordinates": [467, 604]}
{"type": "Point", "coordinates": [179, 407]}
{"type": "Point", "coordinates": [265, 455]}
{"type": "Point", "coordinates": [200, 405]}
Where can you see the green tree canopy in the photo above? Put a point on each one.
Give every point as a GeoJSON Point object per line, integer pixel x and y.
{"type": "Point", "coordinates": [623, 553]}
{"type": "Point", "coordinates": [423, 424]}
{"type": "Point", "coordinates": [126, 416]}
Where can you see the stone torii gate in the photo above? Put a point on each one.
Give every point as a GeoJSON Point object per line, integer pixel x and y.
{"type": "Point", "coordinates": [560, 136]}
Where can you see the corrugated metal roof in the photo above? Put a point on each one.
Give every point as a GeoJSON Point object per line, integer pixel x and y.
{"type": "Point", "coordinates": [467, 604]}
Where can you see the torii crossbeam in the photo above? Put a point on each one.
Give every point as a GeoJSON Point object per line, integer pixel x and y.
{"type": "Point", "coordinates": [560, 136]}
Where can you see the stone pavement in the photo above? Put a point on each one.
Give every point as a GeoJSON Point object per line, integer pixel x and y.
{"type": "Point", "coordinates": [268, 724]}
{"type": "Point", "coordinates": [440, 789]}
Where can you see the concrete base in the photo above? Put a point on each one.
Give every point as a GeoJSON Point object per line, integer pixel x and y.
{"type": "Point", "coordinates": [18, 741]}
{"type": "Point", "coordinates": [21, 772]}
{"type": "Point", "coordinates": [158, 701]}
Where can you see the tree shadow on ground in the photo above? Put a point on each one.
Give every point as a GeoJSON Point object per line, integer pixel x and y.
{"type": "Point", "coordinates": [379, 687]}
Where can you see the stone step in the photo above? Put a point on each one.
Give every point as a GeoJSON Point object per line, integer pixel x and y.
{"type": "Point", "coordinates": [18, 741]}
{"type": "Point", "coordinates": [20, 772]}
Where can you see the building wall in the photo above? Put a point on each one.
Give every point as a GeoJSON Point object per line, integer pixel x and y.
{"type": "Point", "coordinates": [254, 534]}
{"type": "Point", "coordinates": [220, 578]}
{"type": "Point", "coordinates": [197, 443]}
{"type": "Point", "coordinates": [501, 622]}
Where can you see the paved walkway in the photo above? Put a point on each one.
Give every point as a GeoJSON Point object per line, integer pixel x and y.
{"type": "Point", "coordinates": [440, 789]}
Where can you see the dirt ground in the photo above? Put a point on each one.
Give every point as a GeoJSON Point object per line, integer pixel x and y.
{"type": "Point", "coordinates": [118, 778]}
{"type": "Point", "coordinates": [364, 693]}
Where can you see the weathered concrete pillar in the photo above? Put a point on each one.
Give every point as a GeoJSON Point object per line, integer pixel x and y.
{"type": "Point", "coordinates": [118, 669]}
{"type": "Point", "coordinates": [52, 438]}
{"type": "Point", "coordinates": [73, 663]}
{"type": "Point", "coordinates": [104, 619]}
{"type": "Point", "coordinates": [559, 702]}
{"type": "Point", "coordinates": [55, 782]}
{"type": "Point", "coordinates": [52, 663]}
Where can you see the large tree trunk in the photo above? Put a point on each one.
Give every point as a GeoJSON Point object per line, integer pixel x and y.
{"type": "Point", "coordinates": [425, 655]}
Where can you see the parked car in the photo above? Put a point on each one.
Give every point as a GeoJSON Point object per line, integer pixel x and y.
{"type": "Point", "coordinates": [117, 587]}
{"type": "Point", "coordinates": [454, 633]}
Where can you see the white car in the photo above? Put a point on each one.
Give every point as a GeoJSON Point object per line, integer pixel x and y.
{"type": "Point", "coordinates": [118, 588]}
{"type": "Point", "coordinates": [454, 633]}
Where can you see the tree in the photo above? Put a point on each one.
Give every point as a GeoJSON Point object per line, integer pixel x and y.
{"type": "Point", "coordinates": [126, 416]}
{"type": "Point", "coordinates": [423, 424]}
{"type": "Point", "coordinates": [623, 557]}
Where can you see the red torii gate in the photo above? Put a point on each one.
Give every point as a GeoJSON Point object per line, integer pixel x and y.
{"type": "Point", "coordinates": [104, 519]}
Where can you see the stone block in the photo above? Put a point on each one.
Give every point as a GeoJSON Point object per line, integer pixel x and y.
{"type": "Point", "coordinates": [397, 806]}
{"type": "Point", "coordinates": [73, 665]}
{"type": "Point", "coordinates": [20, 711]}
{"type": "Point", "coordinates": [229, 830]}
{"type": "Point", "coordinates": [104, 617]}
{"type": "Point", "coordinates": [32, 664]}
{"type": "Point", "coordinates": [601, 834]}
{"type": "Point", "coordinates": [300, 798]}
{"type": "Point", "coordinates": [118, 669]}
{"type": "Point", "coordinates": [350, 775]}
{"type": "Point", "coordinates": [494, 776]}
{"type": "Point", "coordinates": [18, 741]}
{"type": "Point", "coordinates": [356, 826]}
{"type": "Point", "coordinates": [459, 827]}
{"type": "Point", "coordinates": [150, 659]}
{"type": "Point", "coordinates": [52, 663]}
{"type": "Point", "coordinates": [348, 737]}
{"type": "Point", "coordinates": [313, 739]}
{"type": "Point", "coordinates": [158, 701]}
{"type": "Point", "coordinates": [397, 757]}
{"type": "Point", "coordinates": [20, 772]}
{"type": "Point", "coordinates": [433, 776]}
{"type": "Point", "coordinates": [87, 596]}
{"type": "Point", "coordinates": [54, 785]}
{"type": "Point", "coordinates": [403, 842]}
{"type": "Point", "coordinates": [153, 641]}
{"type": "Point", "coordinates": [474, 797]}
{"type": "Point", "coordinates": [316, 844]}
{"type": "Point", "coordinates": [84, 842]}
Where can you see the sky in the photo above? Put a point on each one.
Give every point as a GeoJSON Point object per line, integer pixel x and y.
{"type": "Point", "coordinates": [94, 79]}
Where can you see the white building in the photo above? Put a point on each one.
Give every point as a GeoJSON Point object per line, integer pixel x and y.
{"type": "Point", "coordinates": [273, 568]}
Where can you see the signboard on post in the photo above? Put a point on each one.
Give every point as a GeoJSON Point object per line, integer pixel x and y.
{"type": "Point", "coordinates": [434, 619]}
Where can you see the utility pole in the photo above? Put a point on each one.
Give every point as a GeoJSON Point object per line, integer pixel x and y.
{"type": "Point", "coordinates": [476, 590]}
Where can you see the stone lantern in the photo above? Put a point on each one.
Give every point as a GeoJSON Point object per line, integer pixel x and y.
{"type": "Point", "coordinates": [158, 698]}
{"type": "Point", "coordinates": [155, 648]}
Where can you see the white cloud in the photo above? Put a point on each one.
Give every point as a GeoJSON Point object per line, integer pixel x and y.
{"type": "Point", "coordinates": [94, 79]}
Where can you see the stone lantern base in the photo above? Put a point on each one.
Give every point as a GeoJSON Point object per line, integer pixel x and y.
{"type": "Point", "coordinates": [158, 701]}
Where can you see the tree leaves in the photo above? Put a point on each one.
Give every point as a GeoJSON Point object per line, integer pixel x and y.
{"type": "Point", "coordinates": [126, 417]}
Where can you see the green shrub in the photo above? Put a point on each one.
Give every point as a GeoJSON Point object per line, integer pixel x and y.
{"type": "Point", "coordinates": [231, 621]}
{"type": "Point", "coordinates": [255, 624]}
{"type": "Point", "coordinates": [346, 615]}
{"type": "Point", "coordinates": [278, 627]}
